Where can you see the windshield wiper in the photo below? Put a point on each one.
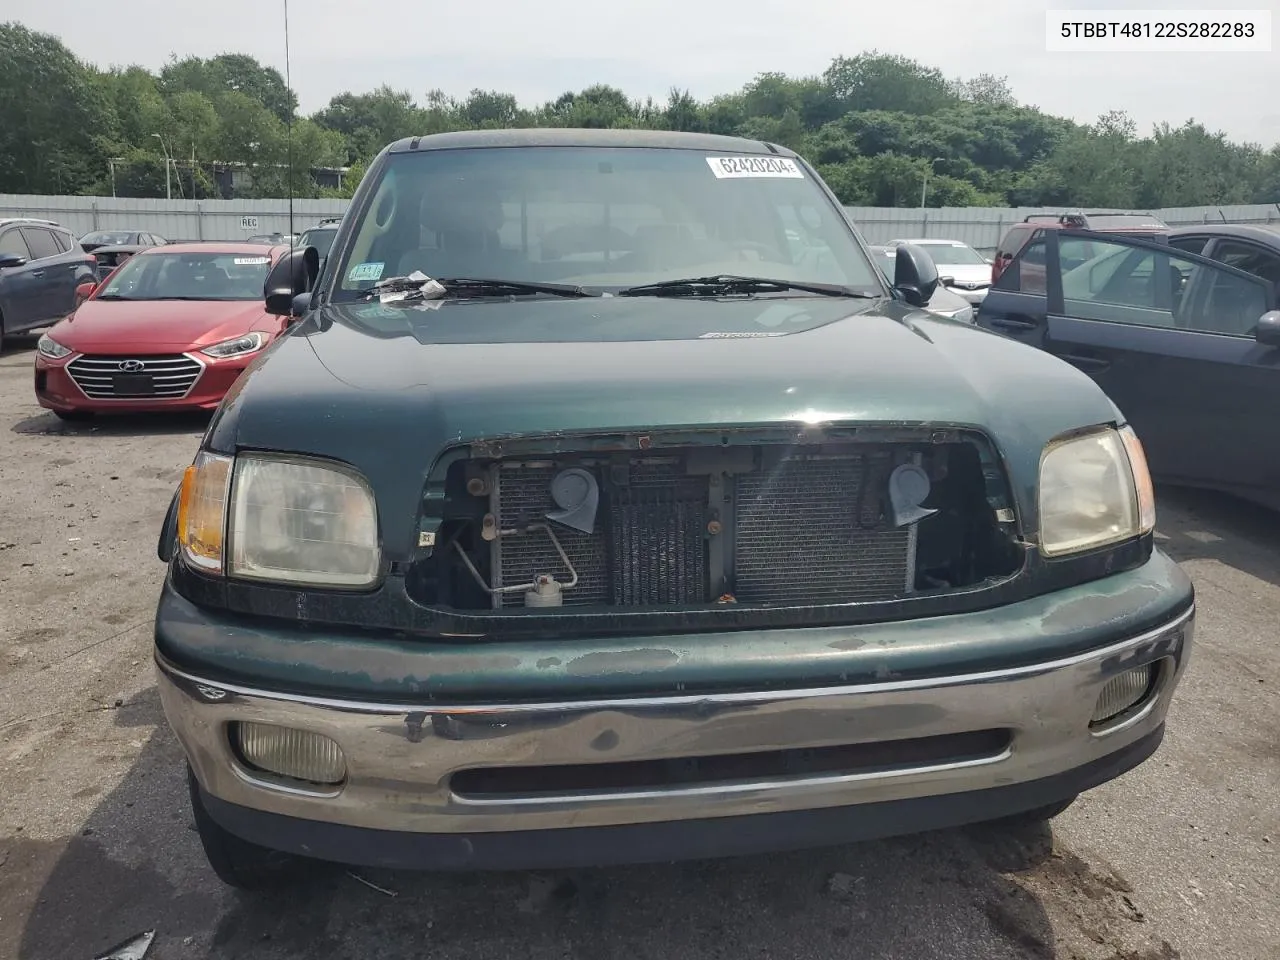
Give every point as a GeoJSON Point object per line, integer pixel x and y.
{"type": "Point", "coordinates": [729, 283]}
{"type": "Point", "coordinates": [412, 287]}
{"type": "Point", "coordinates": [114, 296]}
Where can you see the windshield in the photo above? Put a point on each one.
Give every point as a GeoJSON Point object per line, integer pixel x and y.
{"type": "Point", "coordinates": [189, 276]}
{"type": "Point", "coordinates": [953, 254]}
{"type": "Point", "coordinates": [108, 238]}
{"type": "Point", "coordinates": [607, 218]}
{"type": "Point", "coordinates": [322, 240]}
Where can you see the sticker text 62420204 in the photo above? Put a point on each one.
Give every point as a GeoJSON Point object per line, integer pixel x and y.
{"type": "Point", "coordinates": [729, 168]}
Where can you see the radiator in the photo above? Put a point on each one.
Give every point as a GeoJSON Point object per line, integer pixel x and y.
{"type": "Point", "coordinates": [797, 531]}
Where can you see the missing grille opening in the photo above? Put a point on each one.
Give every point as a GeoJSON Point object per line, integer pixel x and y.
{"type": "Point", "coordinates": [760, 525]}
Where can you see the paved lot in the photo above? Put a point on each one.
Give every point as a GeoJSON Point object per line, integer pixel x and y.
{"type": "Point", "coordinates": [1177, 859]}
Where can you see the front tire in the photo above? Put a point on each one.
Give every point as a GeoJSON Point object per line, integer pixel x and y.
{"type": "Point", "coordinates": [237, 862]}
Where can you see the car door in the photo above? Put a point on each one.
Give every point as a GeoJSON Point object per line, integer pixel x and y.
{"type": "Point", "coordinates": [1170, 337]}
{"type": "Point", "coordinates": [19, 286]}
{"type": "Point", "coordinates": [56, 274]}
{"type": "Point", "coordinates": [1243, 254]}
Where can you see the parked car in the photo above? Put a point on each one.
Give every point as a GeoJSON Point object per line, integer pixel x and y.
{"type": "Point", "coordinates": [110, 257]}
{"type": "Point", "coordinates": [1113, 222]}
{"type": "Point", "coordinates": [1187, 347]}
{"type": "Point", "coordinates": [273, 239]}
{"type": "Point", "coordinates": [41, 265]}
{"type": "Point", "coordinates": [120, 238]}
{"type": "Point", "coordinates": [480, 567]}
{"type": "Point", "coordinates": [1253, 249]}
{"type": "Point", "coordinates": [962, 268]}
{"type": "Point", "coordinates": [321, 237]}
{"type": "Point", "coordinates": [943, 301]}
{"type": "Point", "coordinates": [171, 329]}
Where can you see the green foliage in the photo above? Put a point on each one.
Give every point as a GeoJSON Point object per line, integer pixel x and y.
{"type": "Point", "coordinates": [875, 125]}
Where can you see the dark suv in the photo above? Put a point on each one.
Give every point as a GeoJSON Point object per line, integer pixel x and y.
{"type": "Point", "coordinates": [41, 264]}
{"type": "Point", "coordinates": [1143, 225]}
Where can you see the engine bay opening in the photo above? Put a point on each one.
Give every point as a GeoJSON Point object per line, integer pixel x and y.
{"type": "Point", "coordinates": [780, 524]}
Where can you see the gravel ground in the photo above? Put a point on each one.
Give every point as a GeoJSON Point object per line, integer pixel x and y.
{"type": "Point", "coordinates": [97, 843]}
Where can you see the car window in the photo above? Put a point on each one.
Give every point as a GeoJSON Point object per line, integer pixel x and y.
{"type": "Point", "coordinates": [11, 242]}
{"type": "Point", "coordinates": [1251, 259]}
{"type": "Point", "coordinates": [41, 242]}
{"type": "Point", "coordinates": [190, 276]}
{"type": "Point", "coordinates": [953, 255]}
{"type": "Point", "coordinates": [1189, 244]}
{"type": "Point", "coordinates": [1026, 273]}
{"type": "Point", "coordinates": [321, 239]}
{"type": "Point", "coordinates": [1013, 241]}
{"type": "Point", "coordinates": [1134, 285]}
{"type": "Point", "coordinates": [599, 216]}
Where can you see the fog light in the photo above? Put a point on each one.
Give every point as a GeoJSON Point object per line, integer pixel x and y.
{"type": "Point", "coordinates": [1123, 692]}
{"type": "Point", "coordinates": [297, 754]}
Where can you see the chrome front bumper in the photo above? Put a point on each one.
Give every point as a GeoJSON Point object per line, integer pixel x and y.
{"type": "Point", "coordinates": [401, 757]}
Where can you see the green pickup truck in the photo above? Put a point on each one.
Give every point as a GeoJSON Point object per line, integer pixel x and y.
{"type": "Point", "coordinates": [583, 515]}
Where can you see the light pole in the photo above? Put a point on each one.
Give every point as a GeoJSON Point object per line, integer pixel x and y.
{"type": "Point", "coordinates": [168, 190]}
{"type": "Point", "coordinates": [924, 187]}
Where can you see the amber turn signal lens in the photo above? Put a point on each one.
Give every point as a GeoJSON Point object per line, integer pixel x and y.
{"type": "Point", "coordinates": [1141, 480]}
{"type": "Point", "coordinates": [202, 509]}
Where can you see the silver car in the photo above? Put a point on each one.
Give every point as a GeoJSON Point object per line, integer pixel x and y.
{"type": "Point", "coordinates": [943, 302]}
{"type": "Point", "coordinates": [960, 267]}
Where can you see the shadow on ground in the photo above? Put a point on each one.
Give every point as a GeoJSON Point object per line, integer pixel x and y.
{"type": "Point", "coordinates": [115, 425]}
{"type": "Point", "coordinates": [138, 866]}
{"type": "Point", "coordinates": [1203, 525]}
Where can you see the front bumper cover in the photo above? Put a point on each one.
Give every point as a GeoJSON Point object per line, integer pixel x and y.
{"type": "Point", "coordinates": [401, 757]}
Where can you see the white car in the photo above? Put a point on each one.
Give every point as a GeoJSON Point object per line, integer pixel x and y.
{"type": "Point", "coordinates": [960, 267]}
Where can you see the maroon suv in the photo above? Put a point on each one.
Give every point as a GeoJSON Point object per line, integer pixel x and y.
{"type": "Point", "coordinates": [1132, 224]}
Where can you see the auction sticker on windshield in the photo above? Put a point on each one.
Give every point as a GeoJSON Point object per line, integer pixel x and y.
{"type": "Point", "coordinates": [730, 168]}
{"type": "Point", "coordinates": [248, 261]}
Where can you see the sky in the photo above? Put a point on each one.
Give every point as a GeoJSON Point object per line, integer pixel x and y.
{"type": "Point", "coordinates": [539, 50]}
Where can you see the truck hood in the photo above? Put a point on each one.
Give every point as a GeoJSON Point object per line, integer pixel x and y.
{"type": "Point", "coordinates": [387, 388]}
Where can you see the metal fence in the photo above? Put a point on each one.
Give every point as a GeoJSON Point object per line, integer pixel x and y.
{"type": "Point", "coordinates": [173, 219]}
{"type": "Point", "coordinates": [980, 227]}
{"type": "Point", "coordinates": [983, 227]}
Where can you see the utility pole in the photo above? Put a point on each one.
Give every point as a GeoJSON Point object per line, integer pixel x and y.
{"type": "Point", "coordinates": [168, 188]}
{"type": "Point", "coordinates": [924, 187]}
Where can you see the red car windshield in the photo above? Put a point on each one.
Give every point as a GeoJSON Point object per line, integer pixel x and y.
{"type": "Point", "coordinates": [189, 276]}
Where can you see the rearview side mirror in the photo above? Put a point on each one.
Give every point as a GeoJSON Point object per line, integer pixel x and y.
{"type": "Point", "coordinates": [293, 274]}
{"type": "Point", "coordinates": [915, 275]}
{"type": "Point", "coordinates": [84, 291]}
{"type": "Point", "coordinates": [11, 260]}
{"type": "Point", "coordinates": [1268, 329]}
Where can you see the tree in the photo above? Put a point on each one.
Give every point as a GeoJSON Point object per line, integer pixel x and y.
{"type": "Point", "coordinates": [57, 126]}
{"type": "Point", "coordinates": [882, 81]}
{"type": "Point", "coordinates": [231, 73]}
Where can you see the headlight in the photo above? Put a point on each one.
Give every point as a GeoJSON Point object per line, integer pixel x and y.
{"type": "Point", "coordinates": [234, 348]}
{"type": "Point", "coordinates": [51, 348]}
{"type": "Point", "coordinates": [286, 520]}
{"type": "Point", "coordinates": [1095, 490]}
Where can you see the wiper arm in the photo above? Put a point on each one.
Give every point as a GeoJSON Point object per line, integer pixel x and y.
{"type": "Point", "coordinates": [418, 286]}
{"type": "Point", "coordinates": [113, 296]}
{"type": "Point", "coordinates": [729, 283]}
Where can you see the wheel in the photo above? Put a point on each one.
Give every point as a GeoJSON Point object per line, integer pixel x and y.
{"type": "Point", "coordinates": [238, 863]}
{"type": "Point", "coordinates": [73, 416]}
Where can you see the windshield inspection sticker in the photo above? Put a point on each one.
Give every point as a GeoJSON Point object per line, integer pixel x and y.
{"type": "Point", "coordinates": [366, 271]}
{"type": "Point", "coordinates": [247, 261]}
{"type": "Point", "coordinates": [732, 168]}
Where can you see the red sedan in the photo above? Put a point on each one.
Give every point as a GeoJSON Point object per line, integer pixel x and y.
{"type": "Point", "coordinates": [170, 329]}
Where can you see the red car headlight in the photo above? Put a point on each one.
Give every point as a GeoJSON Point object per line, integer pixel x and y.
{"type": "Point", "coordinates": [238, 347]}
